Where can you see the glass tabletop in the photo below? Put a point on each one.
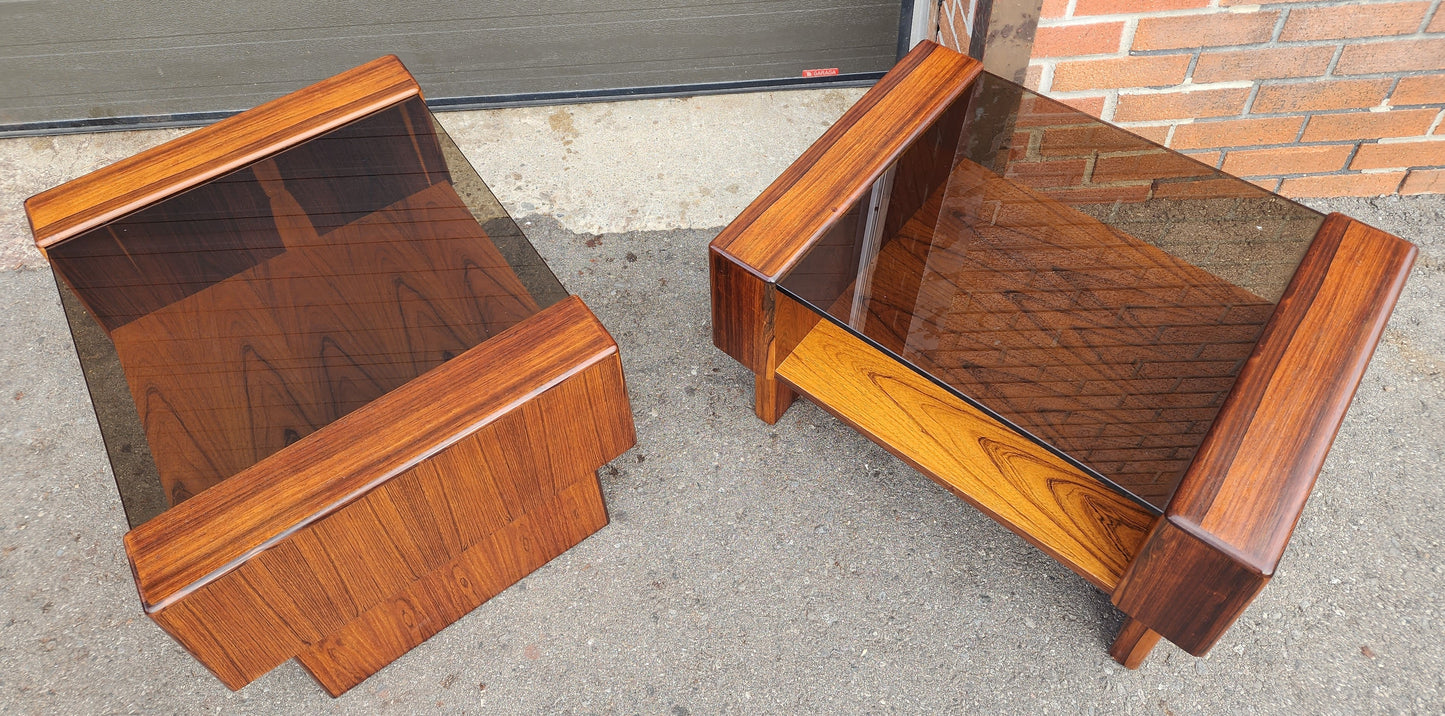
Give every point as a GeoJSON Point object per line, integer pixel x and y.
{"type": "Point", "coordinates": [224, 323]}
{"type": "Point", "coordinates": [1094, 290]}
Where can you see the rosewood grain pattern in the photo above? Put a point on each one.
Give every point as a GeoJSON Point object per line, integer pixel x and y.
{"type": "Point", "coordinates": [202, 538]}
{"type": "Point", "coordinates": [788, 218]}
{"type": "Point", "coordinates": [1263, 491]}
{"type": "Point", "coordinates": [1122, 309]}
{"type": "Point", "coordinates": [364, 422]}
{"type": "Point", "coordinates": [1072, 516]}
{"type": "Point", "coordinates": [188, 161]}
{"type": "Point", "coordinates": [742, 308]}
{"type": "Point", "coordinates": [749, 255]}
{"type": "Point", "coordinates": [1187, 589]}
{"type": "Point", "coordinates": [152, 258]}
{"type": "Point", "coordinates": [504, 491]}
{"type": "Point", "coordinates": [1110, 349]}
{"type": "Point", "coordinates": [391, 628]}
{"type": "Point", "coordinates": [1222, 444]}
{"type": "Point", "coordinates": [813, 154]}
{"type": "Point", "coordinates": [1228, 523]}
{"type": "Point", "coordinates": [239, 370]}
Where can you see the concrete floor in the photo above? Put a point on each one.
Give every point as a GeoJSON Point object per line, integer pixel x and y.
{"type": "Point", "coordinates": [748, 568]}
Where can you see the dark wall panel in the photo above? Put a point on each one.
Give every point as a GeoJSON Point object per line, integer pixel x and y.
{"type": "Point", "coordinates": [63, 62]}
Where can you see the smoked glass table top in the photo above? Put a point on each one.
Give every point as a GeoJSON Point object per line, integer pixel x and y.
{"type": "Point", "coordinates": [1094, 290]}
{"type": "Point", "coordinates": [222, 324]}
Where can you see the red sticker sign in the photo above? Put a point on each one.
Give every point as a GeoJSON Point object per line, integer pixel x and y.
{"type": "Point", "coordinates": [824, 72]}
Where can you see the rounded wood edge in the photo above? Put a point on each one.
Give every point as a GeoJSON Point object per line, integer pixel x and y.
{"type": "Point", "coordinates": [390, 84]}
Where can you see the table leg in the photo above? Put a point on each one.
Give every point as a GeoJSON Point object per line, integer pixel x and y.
{"type": "Point", "coordinates": [771, 399]}
{"type": "Point", "coordinates": [1133, 644]}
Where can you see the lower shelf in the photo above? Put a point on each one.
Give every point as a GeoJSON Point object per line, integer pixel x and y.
{"type": "Point", "coordinates": [1069, 514]}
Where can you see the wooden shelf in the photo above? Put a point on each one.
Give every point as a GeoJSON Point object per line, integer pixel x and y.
{"type": "Point", "coordinates": [1086, 525]}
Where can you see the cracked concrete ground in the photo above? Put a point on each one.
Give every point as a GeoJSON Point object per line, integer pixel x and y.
{"type": "Point", "coordinates": [748, 568]}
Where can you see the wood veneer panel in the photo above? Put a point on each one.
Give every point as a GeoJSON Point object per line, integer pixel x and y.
{"type": "Point", "coordinates": [773, 231]}
{"type": "Point", "coordinates": [231, 374]}
{"type": "Point", "coordinates": [396, 625]}
{"type": "Point", "coordinates": [1084, 524]}
{"type": "Point", "coordinates": [185, 162]}
{"type": "Point", "coordinates": [1233, 514]}
{"type": "Point", "coordinates": [483, 512]}
{"type": "Point", "coordinates": [1079, 333]}
{"type": "Point", "coordinates": [1260, 496]}
{"type": "Point", "coordinates": [742, 308]}
{"type": "Point", "coordinates": [212, 533]}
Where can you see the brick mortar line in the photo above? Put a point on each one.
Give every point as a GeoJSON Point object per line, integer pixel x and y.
{"type": "Point", "coordinates": [1351, 159]}
{"type": "Point", "coordinates": [1118, 16]}
{"type": "Point", "coordinates": [1436, 124]}
{"type": "Point", "coordinates": [1249, 101]}
{"type": "Point", "coordinates": [1272, 82]}
{"type": "Point", "coordinates": [1430, 13]}
{"type": "Point", "coordinates": [1341, 173]}
{"type": "Point", "coordinates": [1340, 42]}
{"type": "Point", "coordinates": [1186, 88]}
{"type": "Point", "coordinates": [1182, 89]}
{"type": "Point", "coordinates": [1404, 140]}
{"type": "Point", "coordinates": [1279, 25]}
{"type": "Point", "coordinates": [1322, 3]}
{"type": "Point", "coordinates": [1334, 60]}
{"type": "Point", "coordinates": [1287, 145]}
{"type": "Point", "coordinates": [1036, 135]}
{"type": "Point", "coordinates": [1282, 8]}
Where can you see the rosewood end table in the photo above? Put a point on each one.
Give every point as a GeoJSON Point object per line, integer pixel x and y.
{"type": "Point", "coordinates": [1134, 361]}
{"type": "Point", "coordinates": [344, 399]}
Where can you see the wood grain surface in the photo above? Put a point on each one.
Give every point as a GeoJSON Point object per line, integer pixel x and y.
{"type": "Point", "coordinates": [188, 161]}
{"type": "Point", "coordinates": [1110, 349]}
{"type": "Point", "coordinates": [779, 226]}
{"type": "Point", "coordinates": [1232, 516]}
{"type": "Point", "coordinates": [358, 588]}
{"type": "Point", "coordinates": [446, 593]}
{"type": "Point", "coordinates": [233, 373]}
{"type": "Point", "coordinates": [1133, 643]}
{"type": "Point", "coordinates": [1069, 514]}
{"type": "Point", "coordinates": [161, 253]}
{"type": "Point", "coordinates": [216, 531]}
{"type": "Point", "coordinates": [773, 231]}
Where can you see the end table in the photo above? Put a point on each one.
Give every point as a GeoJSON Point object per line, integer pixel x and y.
{"type": "Point", "coordinates": [1133, 361]}
{"type": "Point", "coordinates": [344, 399]}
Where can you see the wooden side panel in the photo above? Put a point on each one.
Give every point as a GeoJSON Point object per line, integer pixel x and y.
{"type": "Point", "coordinates": [1233, 514]}
{"type": "Point", "coordinates": [213, 532]}
{"type": "Point", "coordinates": [396, 625]}
{"type": "Point", "coordinates": [741, 311]}
{"type": "Point", "coordinates": [1052, 504]}
{"type": "Point", "coordinates": [185, 162]}
{"type": "Point", "coordinates": [360, 587]}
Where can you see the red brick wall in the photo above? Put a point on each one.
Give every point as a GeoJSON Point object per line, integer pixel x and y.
{"type": "Point", "coordinates": [1306, 98]}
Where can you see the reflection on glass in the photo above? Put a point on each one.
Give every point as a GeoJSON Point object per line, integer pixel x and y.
{"type": "Point", "coordinates": [1096, 290]}
{"type": "Point", "coordinates": [222, 324]}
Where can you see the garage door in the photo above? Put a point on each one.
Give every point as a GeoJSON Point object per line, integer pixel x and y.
{"type": "Point", "coordinates": [82, 64]}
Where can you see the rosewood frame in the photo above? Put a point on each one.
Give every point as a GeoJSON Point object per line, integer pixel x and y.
{"type": "Point", "coordinates": [364, 538]}
{"type": "Point", "coordinates": [1185, 576]}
